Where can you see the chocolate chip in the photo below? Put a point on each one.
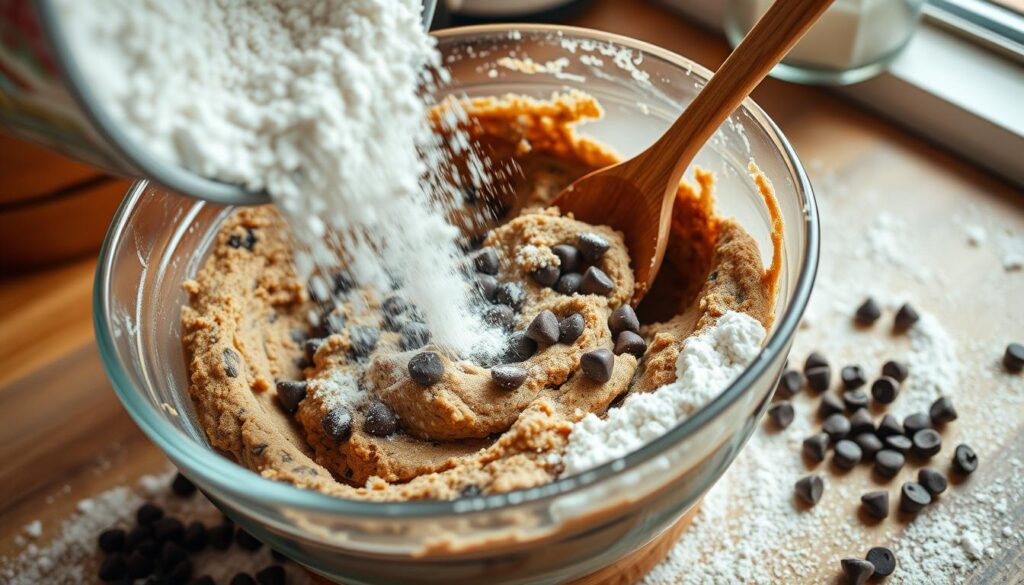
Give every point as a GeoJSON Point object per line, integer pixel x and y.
{"type": "Point", "coordinates": [221, 536]}
{"type": "Point", "coordinates": [148, 513]}
{"type": "Point", "coordinates": [413, 335]}
{"type": "Point", "coordinates": [916, 422]}
{"type": "Point", "coordinates": [179, 573]}
{"type": "Point", "coordinates": [898, 443]}
{"type": "Point", "coordinates": [149, 548]}
{"type": "Point", "coordinates": [855, 400]}
{"type": "Point", "coordinates": [597, 365]}
{"type": "Point", "coordinates": [927, 442]}
{"type": "Point", "coordinates": [194, 539]}
{"type": "Point", "coordinates": [888, 462]}
{"type": "Point", "coordinates": [885, 390]}
{"type": "Point", "coordinates": [596, 282]}
{"type": "Point", "coordinates": [857, 571]}
{"type": "Point", "coordinates": [819, 378]}
{"type": "Point", "coordinates": [242, 579]}
{"type": "Point", "coordinates": [830, 404]}
{"type": "Point", "coordinates": [876, 504]}
{"type": "Point", "coordinates": [815, 360]}
{"type": "Point", "coordinates": [112, 540]}
{"type": "Point", "coordinates": [486, 261]}
{"type": "Point", "coordinates": [869, 445]}
{"type": "Point", "coordinates": [861, 422]}
{"type": "Point", "coordinates": [543, 328]}
{"type": "Point", "coordinates": [623, 319]}
{"type": "Point", "coordinates": [290, 393]}
{"type": "Point", "coordinates": [942, 411]}
{"type": "Point", "coordinates": [114, 567]}
{"type": "Point", "coordinates": [332, 323]}
{"type": "Point", "coordinates": [247, 541]}
{"type": "Point", "coordinates": [853, 377]}
{"type": "Point", "coordinates": [168, 529]}
{"type": "Point", "coordinates": [895, 370]}
{"type": "Point", "coordinates": [888, 426]}
{"type": "Point", "coordinates": [570, 259]}
{"type": "Point", "coordinates": [847, 454]}
{"type": "Point", "coordinates": [569, 284]}
{"type": "Point", "coordinates": [883, 560]}
{"type": "Point", "coordinates": [470, 491]}
{"type": "Point", "coordinates": [836, 427]}
{"type": "Point", "coordinates": [592, 246]}
{"type": "Point", "coordinates": [342, 282]}
{"type": "Point", "coordinates": [231, 362]}
{"type": "Point", "coordinates": [1013, 358]}
{"type": "Point", "coordinates": [816, 446]}
{"type": "Point", "coordinates": [546, 276]}
{"type": "Point", "coordinates": [337, 424]}
{"type": "Point", "coordinates": [380, 421]}
{"type": "Point", "coordinates": [311, 346]}
{"type": "Point", "coordinates": [868, 312]}
{"type": "Point", "coordinates": [508, 377]}
{"type": "Point", "coordinates": [905, 318]}
{"type": "Point", "coordinates": [137, 536]}
{"type": "Point", "coordinates": [394, 306]}
{"type": "Point", "coordinates": [791, 382]}
{"type": "Point", "coordinates": [809, 489]}
{"type": "Point", "coordinates": [171, 553]}
{"type": "Point", "coordinates": [631, 343]}
{"type": "Point", "coordinates": [499, 316]}
{"type": "Point", "coordinates": [570, 328]}
{"type": "Point", "coordinates": [182, 486]}
{"type": "Point", "coordinates": [932, 480]}
{"type": "Point", "coordinates": [272, 575]}
{"type": "Point", "coordinates": [913, 497]}
{"type": "Point", "coordinates": [520, 348]}
{"type": "Point", "coordinates": [248, 241]}
{"type": "Point", "coordinates": [138, 566]}
{"type": "Point", "coordinates": [511, 294]}
{"type": "Point", "coordinates": [965, 460]}
{"type": "Point", "coordinates": [426, 368]}
{"type": "Point", "coordinates": [781, 414]}
{"type": "Point", "coordinates": [487, 285]}
{"type": "Point", "coordinates": [363, 339]}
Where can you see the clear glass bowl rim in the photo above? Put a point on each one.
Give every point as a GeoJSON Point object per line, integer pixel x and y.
{"type": "Point", "coordinates": [231, 478]}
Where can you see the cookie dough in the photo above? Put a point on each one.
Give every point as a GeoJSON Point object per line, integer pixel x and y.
{"type": "Point", "coordinates": [318, 392]}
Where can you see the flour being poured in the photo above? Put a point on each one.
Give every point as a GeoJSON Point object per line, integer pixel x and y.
{"type": "Point", "coordinates": [319, 105]}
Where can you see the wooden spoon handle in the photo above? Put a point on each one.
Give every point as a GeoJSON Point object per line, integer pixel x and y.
{"type": "Point", "coordinates": [763, 47]}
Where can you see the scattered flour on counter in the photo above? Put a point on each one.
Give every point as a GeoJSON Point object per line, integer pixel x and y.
{"type": "Point", "coordinates": [706, 365]}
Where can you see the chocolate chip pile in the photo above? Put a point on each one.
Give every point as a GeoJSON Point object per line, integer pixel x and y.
{"type": "Point", "coordinates": [161, 548]}
{"type": "Point", "coordinates": [854, 436]}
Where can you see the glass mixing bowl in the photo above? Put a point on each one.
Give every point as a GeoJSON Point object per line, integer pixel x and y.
{"type": "Point", "coordinates": [554, 533]}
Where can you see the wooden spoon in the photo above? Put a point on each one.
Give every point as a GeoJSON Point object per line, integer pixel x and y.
{"type": "Point", "coordinates": [636, 195]}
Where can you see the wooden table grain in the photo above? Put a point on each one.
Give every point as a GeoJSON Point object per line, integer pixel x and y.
{"type": "Point", "coordinates": [64, 435]}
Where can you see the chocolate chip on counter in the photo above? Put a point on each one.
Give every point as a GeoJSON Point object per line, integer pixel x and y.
{"type": "Point", "coordinates": [137, 536]}
{"type": "Point", "coordinates": [596, 282]}
{"type": "Point", "coordinates": [816, 446]}
{"type": "Point", "coordinates": [592, 246]}
{"type": "Point", "coordinates": [791, 382]}
{"type": "Point", "coordinates": [290, 393]}
{"type": "Point", "coordinates": [520, 348]}
{"type": "Point", "coordinates": [511, 294]}
{"type": "Point", "coordinates": [337, 424]}
{"type": "Point", "coordinates": [868, 312]}
{"type": "Point", "coordinates": [242, 579]}
{"type": "Point", "coordinates": [380, 421]}
{"type": "Point", "coordinates": [112, 540]}
{"type": "Point", "coordinates": [182, 486]}
{"type": "Point", "coordinates": [547, 275]}
{"type": "Point", "coordinates": [413, 335]}
{"type": "Point", "coordinates": [570, 328]}
{"type": "Point", "coordinates": [499, 316]}
{"type": "Point", "coordinates": [861, 422]}
{"type": "Point", "coordinates": [916, 422]}
{"type": "Point", "coordinates": [883, 560]}
{"type": "Point", "coordinates": [898, 443]}
{"type": "Point", "coordinates": [869, 445]}
{"type": "Point", "coordinates": [631, 343]}
{"type": "Point", "coordinates": [470, 491]}
{"type": "Point", "coordinates": [819, 378]}
{"type": "Point", "coordinates": [905, 318]}
{"type": "Point", "coordinates": [623, 319]}
{"type": "Point", "coordinates": [508, 377]}
{"type": "Point", "coordinates": [913, 497]}
{"type": "Point", "coordinates": [965, 460]}
{"type": "Point", "coordinates": [809, 489]}
{"type": "Point", "coordinates": [148, 513]}
{"type": "Point", "coordinates": [231, 362]}
{"type": "Point", "coordinates": [942, 411]}
{"type": "Point", "coordinates": [895, 370]}
{"type": "Point", "coordinates": [932, 480]}
{"type": "Point", "coordinates": [363, 339]}
{"type": "Point", "coordinates": [426, 368]}
{"type": "Point", "coordinates": [569, 284]}
{"type": "Point", "coordinates": [194, 539]}
{"type": "Point", "coordinates": [889, 462]}
{"type": "Point", "coordinates": [927, 443]}
{"type": "Point", "coordinates": [888, 426]}
{"type": "Point", "coordinates": [781, 414]}
{"type": "Point", "coordinates": [179, 574]}
{"type": "Point", "coordinates": [543, 328]}
{"type": "Point", "coordinates": [221, 536]}
{"type": "Point", "coordinates": [272, 575]}
{"type": "Point", "coordinates": [169, 529]}
{"type": "Point", "coordinates": [814, 360]}
{"type": "Point", "coordinates": [857, 571]}
{"type": "Point", "coordinates": [830, 404]}
{"type": "Point", "coordinates": [597, 364]}
{"type": "Point", "coordinates": [487, 285]}
{"type": "Point", "coordinates": [138, 566]}
{"type": "Point", "coordinates": [876, 504]}
{"type": "Point", "coordinates": [114, 567]}
{"type": "Point", "coordinates": [570, 259]}
{"type": "Point", "coordinates": [853, 377]}
{"type": "Point", "coordinates": [836, 427]}
{"type": "Point", "coordinates": [247, 541]}
{"type": "Point", "coordinates": [885, 389]}
{"type": "Point", "coordinates": [855, 400]}
{"type": "Point", "coordinates": [847, 454]}
{"type": "Point", "coordinates": [486, 261]}
{"type": "Point", "coordinates": [1013, 358]}
{"type": "Point", "coordinates": [149, 548]}
{"type": "Point", "coordinates": [171, 553]}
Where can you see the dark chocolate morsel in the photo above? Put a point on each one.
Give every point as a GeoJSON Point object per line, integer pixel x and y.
{"type": "Point", "coordinates": [883, 560]}
{"type": "Point", "coordinates": [597, 364]}
{"type": "Point", "coordinates": [511, 294]}
{"type": "Point", "coordinates": [569, 258]}
{"type": "Point", "coordinates": [570, 328]}
{"type": "Point", "coordinates": [569, 283]}
{"type": "Point", "coordinates": [889, 462]}
{"type": "Point", "coordinates": [781, 414]}
{"type": "Point", "coordinates": [965, 460]}
{"type": "Point", "coordinates": [895, 370]}
{"type": "Point", "coordinates": [623, 319]}
{"type": "Point", "coordinates": [927, 443]}
{"type": "Point", "coordinates": [290, 393]}
{"type": "Point", "coordinates": [932, 480]}
{"type": "Point", "coordinates": [426, 368]}
{"type": "Point", "coordinates": [819, 378]}
{"type": "Point", "coordinates": [942, 411]}
{"type": "Point", "coordinates": [857, 571]}
{"type": "Point", "coordinates": [631, 343]}
{"type": "Point", "coordinates": [847, 454]}
{"type": "Point", "coordinates": [543, 328]}
{"type": "Point", "coordinates": [520, 348]}
{"type": "Point", "coordinates": [868, 312]}
{"type": "Point", "coordinates": [596, 282]}
{"type": "Point", "coordinates": [876, 504]}
{"type": "Point", "coordinates": [1013, 357]}
{"type": "Point", "coordinates": [592, 246]}
{"type": "Point", "coordinates": [816, 446]}
{"type": "Point", "coordinates": [547, 275]}
{"type": "Point", "coordinates": [509, 377]}
{"type": "Point", "coordinates": [905, 318]}
{"type": "Point", "coordinates": [791, 382]}
{"type": "Point", "coordinates": [486, 261]}
{"type": "Point", "coordinates": [913, 497]}
{"type": "Point", "coordinates": [885, 389]}
{"type": "Point", "coordinates": [337, 424]}
{"type": "Point", "coordinates": [380, 421]}
{"type": "Point", "coordinates": [809, 489]}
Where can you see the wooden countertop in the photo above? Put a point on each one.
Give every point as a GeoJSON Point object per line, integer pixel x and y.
{"type": "Point", "coordinates": [63, 426]}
